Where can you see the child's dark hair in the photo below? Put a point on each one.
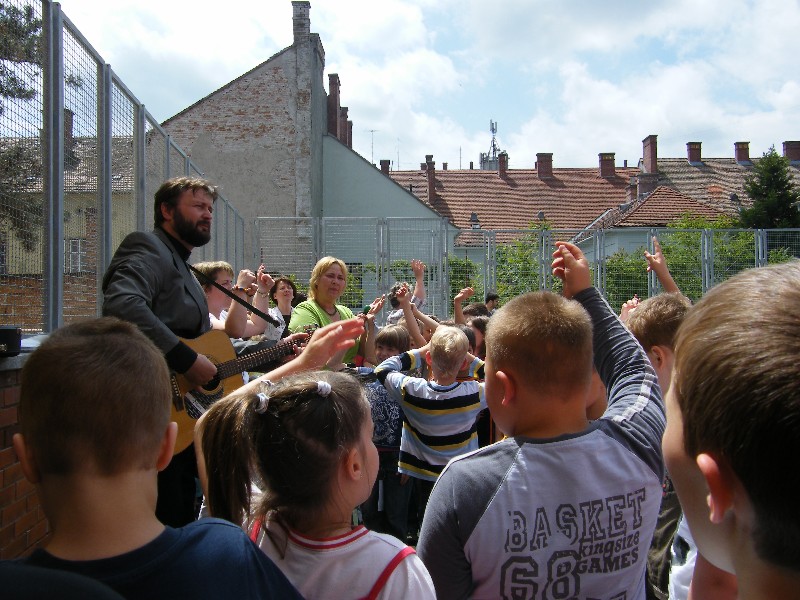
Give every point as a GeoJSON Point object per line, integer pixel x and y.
{"type": "Point", "coordinates": [394, 336]}
{"type": "Point", "coordinates": [392, 295]}
{"type": "Point", "coordinates": [291, 448]}
{"type": "Point", "coordinates": [476, 309]}
{"type": "Point", "coordinates": [467, 331]}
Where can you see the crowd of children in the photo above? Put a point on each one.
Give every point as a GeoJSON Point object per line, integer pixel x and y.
{"type": "Point", "coordinates": [574, 499]}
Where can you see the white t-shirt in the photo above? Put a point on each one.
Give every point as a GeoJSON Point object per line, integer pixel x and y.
{"type": "Point", "coordinates": [347, 566]}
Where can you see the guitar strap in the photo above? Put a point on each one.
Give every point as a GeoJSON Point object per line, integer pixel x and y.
{"type": "Point", "coordinates": [206, 279]}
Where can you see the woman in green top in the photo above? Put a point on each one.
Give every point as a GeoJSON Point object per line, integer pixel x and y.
{"type": "Point", "coordinates": [327, 284]}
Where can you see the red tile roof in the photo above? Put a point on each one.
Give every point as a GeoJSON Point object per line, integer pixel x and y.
{"type": "Point", "coordinates": [571, 199]}
{"type": "Point", "coordinates": [712, 181]}
{"type": "Point", "coordinates": [663, 206]}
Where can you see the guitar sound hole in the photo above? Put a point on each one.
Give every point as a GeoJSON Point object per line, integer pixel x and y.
{"type": "Point", "coordinates": [212, 385]}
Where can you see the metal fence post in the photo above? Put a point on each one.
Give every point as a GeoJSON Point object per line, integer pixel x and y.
{"type": "Point", "coordinates": [490, 263]}
{"type": "Point", "coordinates": [53, 123]}
{"type": "Point", "coordinates": [104, 133]}
{"type": "Point", "coordinates": [762, 249]}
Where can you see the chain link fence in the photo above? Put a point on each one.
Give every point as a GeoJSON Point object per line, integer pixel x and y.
{"type": "Point", "coordinates": [509, 262]}
{"type": "Point", "coordinates": [80, 161]}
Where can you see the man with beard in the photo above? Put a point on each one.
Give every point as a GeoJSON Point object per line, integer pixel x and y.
{"type": "Point", "coordinates": [149, 284]}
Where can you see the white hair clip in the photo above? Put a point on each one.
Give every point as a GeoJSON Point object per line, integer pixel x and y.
{"type": "Point", "coordinates": [263, 403]}
{"type": "Point", "coordinates": [323, 388]}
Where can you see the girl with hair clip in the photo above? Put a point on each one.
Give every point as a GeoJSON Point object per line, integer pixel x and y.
{"type": "Point", "coordinates": [306, 441]}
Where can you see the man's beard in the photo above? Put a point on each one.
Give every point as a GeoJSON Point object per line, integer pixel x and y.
{"type": "Point", "coordinates": [189, 232]}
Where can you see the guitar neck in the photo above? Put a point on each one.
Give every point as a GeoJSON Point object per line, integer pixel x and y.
{"type": "Point", "coordinates": [248, 361]}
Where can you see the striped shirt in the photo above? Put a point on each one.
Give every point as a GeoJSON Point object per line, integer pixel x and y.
{"type": "Point", "coordinates": [438, 420]}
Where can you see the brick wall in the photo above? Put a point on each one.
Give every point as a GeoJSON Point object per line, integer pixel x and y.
{"type": "Point", "coordinates": [23, 526]}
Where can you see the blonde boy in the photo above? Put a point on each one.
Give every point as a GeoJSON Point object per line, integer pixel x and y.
{"type": "Point", "coordinates": [734, 428]}
{"type": "Point", "coordinates": [95, 433]}
{"type": "Point", "coordinates": [439, 415]}
{"type": "Point", "coordinates": [562, 508]}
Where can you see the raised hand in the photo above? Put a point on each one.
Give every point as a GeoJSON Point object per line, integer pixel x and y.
{"type": "Point", "coordinates": [570, 265]}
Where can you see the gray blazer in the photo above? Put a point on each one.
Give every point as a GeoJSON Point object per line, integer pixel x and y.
{"type": "Point", "coordinates": [149, 284]}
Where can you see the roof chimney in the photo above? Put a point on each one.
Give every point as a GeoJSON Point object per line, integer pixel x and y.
{"type": "Point", "coordinates": [431, 172]}
{"type": "Point", "coordinates": [502, 164]}
{"type": "Point", "coordinates": [606, 164]}
{"type": "Point", "coordinates": [741, 150]}
{"type": "Point", "coordinates": [791, 151]}
{"type": "Point", "coordinates": [301, 21]}
{"type": "Point", "coordinates": [631, 190]}
{"type": "Point", "coordinates": [385, 165]}
{"type": "Point", "coordinates": [444, 166]}
{"type": "Point", "coordinates": [693, 152]}
{"type": "Point", "coordinates": [544, 165]}
{"type": "Point", "coordinates": [650, 154]}
{"type": "Point", "coordinates": [471, 165]}
{"type": "Point", "coordinates": [333, 105]}
{"type": "Point", "coordinates": [350, 134]}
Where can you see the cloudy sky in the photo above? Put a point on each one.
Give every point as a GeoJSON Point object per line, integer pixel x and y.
{"type": "Point", "coordinates": [571, 77]}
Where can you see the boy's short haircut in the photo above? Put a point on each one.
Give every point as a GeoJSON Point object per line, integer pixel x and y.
{"type": "Point", "coordinates": [656, 320]}
{"type": "Point", "coordinates": [394, 336]}
{"type": "Point", "coordinates": [545, 340]}
{"type": "Point", "coordinates": [95, 396]}
{"type": "Point", "coordinates": [737, 383]}
{"type": "Point", "coordinates": [448, 347]}
{"type": "Point", "coordinates": [476, 309]}
{"type": "Point", "coordinates": [492, 296]}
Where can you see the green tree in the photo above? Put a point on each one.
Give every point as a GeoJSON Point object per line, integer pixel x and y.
{"type": "Point", "coordinates": [20, 39]}
{"type": "Point", "coordinates": [519, 264]}
{"type": "Point", "coordinates": [776, 198]}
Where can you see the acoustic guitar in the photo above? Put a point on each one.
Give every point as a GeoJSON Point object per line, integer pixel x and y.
{"type": "Point", "coordinates": [189, 403]}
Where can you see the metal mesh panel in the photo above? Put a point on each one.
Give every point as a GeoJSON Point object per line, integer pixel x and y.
{"type": "Point", "coordinates": [81, 207]}
{"type": "Point", "coordinates": [177, 162]}
{"type": "Point", "coordinates": [731, 251]}
{"type": "Point", "coordinates": [285, 245]}
{"type": "Point", "coordinates": [123, 171]}
{"type": "Point", "coordinates": [420, 239]}
{"type": "Point", "coordinates": [155, 151]}
{"type": "Point", "coordinates": [781, 245]}
{"type": "Point", "coordinates": [22, 199]}
{"type": "Point", "coordinates": [355, 241]}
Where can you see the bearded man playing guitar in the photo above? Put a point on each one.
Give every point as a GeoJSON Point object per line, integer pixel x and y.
{"type": "Point", "coordinates": [149, 284]}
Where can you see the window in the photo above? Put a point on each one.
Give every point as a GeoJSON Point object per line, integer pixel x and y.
{"type": "Point", "coordinates": [75, 255]}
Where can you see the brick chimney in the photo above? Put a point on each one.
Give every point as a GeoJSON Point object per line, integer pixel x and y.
{"type": "Point", "coordinates": [693, 152]}
{"type": "Point", "coordinates": [350, 134]}
{"type": "Point", "coordinates": [650, 154]}
{"type": "Point", "coordinates": [502, 164]}
{"type": "Point", "coordinates": [742, 152]}
{"type": "Point", "coordinates": [334, 86]}
{"type": "Point", "coordinates": [544, 165]}
{"type": "Point", "coordinates": [385, 165]}
{"type": "Point", "coordinates": [646, 183]}
{"type": "Point", "coordinates": [301, 21]}
{"type": "Point", "coordinates": [606, 164]}
{"type": "Point", "coordinates": [431, 172]}
{"type": "Point", "coordinates": [791, 151]}
{"type": "Point", "coordinates": [444, 166]}
{"type": "Point", "coordinates": [471, 165]}
{"type": "Point", "coordinates": [631, 190]}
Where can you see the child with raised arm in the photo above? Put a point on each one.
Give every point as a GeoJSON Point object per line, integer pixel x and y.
{"type": "Point", "coordinates": [733, 428]}
{"type": "Point", "coordinates": [418, 295]}
{"type": "Point", "coordinates": [562, 508]}
{"type": "Point", "coordinates": [307, 441]}
{"type": "Point", "coordinates": [94, 435]}
{"type": "Point", "coordinates": [439, 415]}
